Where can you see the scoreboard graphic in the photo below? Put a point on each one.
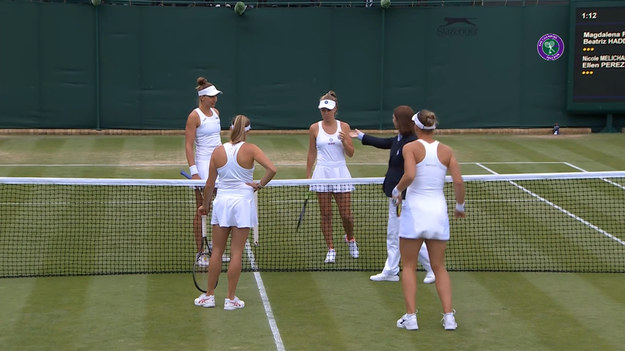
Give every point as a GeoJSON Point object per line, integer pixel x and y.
{"type": "Point", "coordinates": [596, 81]}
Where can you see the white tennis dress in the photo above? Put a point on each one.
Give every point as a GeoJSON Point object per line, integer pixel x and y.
{"type": "Point", "coordinates": [234, 205]}
{"type": "Point", "coordinates": [207, 138]}
{"type": "Point", "coordinates": [330, 162]}
{"type": "Point", "coordinates": [424, 212]}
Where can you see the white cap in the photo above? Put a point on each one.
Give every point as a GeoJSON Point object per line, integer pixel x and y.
{"type": "Point", "coordinates": [210, 91]}
{"type": "Point", "coordinates": [329, 104]}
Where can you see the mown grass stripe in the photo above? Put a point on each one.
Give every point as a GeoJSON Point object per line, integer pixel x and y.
{"type": "Point", "coordinates": [13, 304]}
{"type": "Point", "coordinates": [50, 315]}
{"type": "Point", "coordinates": [552, 328]}
{"type": "Point", "coordinates": [596, 316]}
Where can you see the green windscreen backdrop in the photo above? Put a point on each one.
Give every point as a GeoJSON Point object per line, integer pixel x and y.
{"type": "Point", "coordinates": [135, 67]}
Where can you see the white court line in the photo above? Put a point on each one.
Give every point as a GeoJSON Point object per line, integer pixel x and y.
{"type": "Point", "coordinates": [263, 296]}
{"type": "Point", "coordinates": [604, 179]}
{"type": "Point", "coordinates": [575, 167]}
{"type": "Point", "coordinates": [577, 218]}
{"type": "Point", "coordinates": [514, 162]}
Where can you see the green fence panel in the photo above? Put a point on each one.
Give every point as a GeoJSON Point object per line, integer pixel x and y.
{"type": "Point", "coordinates": [46, 65]}
{"type": "Point", "coordinates": [135, 67]}
{"type": "Point", "coordinates": [150, 60]}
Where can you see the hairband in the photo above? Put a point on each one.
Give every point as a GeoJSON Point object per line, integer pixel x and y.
{"type": "Point", "coordinates": [247, 128]}
{"type": "Point", "coordinates": [415, 118]}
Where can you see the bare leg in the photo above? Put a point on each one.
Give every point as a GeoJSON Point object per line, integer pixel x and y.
{"type": "Point", "coordinates": [220, 236]}
{"type": "Point", "coordinates": [343, 202]}
{"type": "Point", "coordinates": [237, 244]}
{"type": "Point", "coordinates": [424, 258]}
{"type": "Point", "coordinates": [325, 207]}
{"type": "Point", "coordinates": [443, 282]}
{"type": "Point", "coordinates": [409, 249]}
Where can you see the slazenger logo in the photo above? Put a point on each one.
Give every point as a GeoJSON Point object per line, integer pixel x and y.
{"type": "Point", "coordinates": [457, 26]}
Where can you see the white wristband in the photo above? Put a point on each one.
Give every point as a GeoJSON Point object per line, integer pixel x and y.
{"type": "Point", "coordinates": [193, 170]}
{"type": "Point", "coordinates": [460, 207]}
{"type": "Point", "coordinates": [395, 192]}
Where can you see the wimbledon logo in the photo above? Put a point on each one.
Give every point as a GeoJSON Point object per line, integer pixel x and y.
{"type": "Point", "coordinates": [550, 47]}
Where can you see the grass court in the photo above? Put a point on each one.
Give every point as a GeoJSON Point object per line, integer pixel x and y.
{"type": "Point", "coordinates": [309, 310]}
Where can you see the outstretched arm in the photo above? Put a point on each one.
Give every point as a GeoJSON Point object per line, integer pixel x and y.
{"type": "Point", "coordinates": [380, 143]}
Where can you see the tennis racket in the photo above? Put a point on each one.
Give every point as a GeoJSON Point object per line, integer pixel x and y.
{"type": "Point", "coordinates": [255, 229]}
{"type": "Point", "coordinates": [397, 208]}
{"type": "Point", "coordinates": [302, 212]}
{"type": "Point", "coordinates": [200, 266]}
{"type": "Point", "coordinates": [185, 174]}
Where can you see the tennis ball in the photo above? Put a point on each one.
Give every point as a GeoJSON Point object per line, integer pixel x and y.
{"type": "Point", "coordinates": [385, 3]}
{"type": "Point", "coordinates": [96, 2]}
{"type": "Point", "coordinates": [240, 7]}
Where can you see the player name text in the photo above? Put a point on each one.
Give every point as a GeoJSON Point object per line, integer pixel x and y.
{"type": "Point", "coordinates": [604, 38]}
{"type": "Point", "coordinates": [603, 61]}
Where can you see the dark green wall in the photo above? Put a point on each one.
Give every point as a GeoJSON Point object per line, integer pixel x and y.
{"type": "Point", "coordinates": [273, 64]}
{"type": "Point", "coordinates": [46, 65]}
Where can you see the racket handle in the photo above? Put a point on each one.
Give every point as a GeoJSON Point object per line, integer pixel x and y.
{"type": "Point", "coordinates": [394, 201]}
{"type": "Point", "coordinates": [397, 207]}
{"type": "Point", "coordinates": [203, 226]}
{"type": "Point", "coordinates": [255, 230]}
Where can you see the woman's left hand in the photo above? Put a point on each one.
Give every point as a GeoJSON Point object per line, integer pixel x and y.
{"type": "Point", "coordinates": [256, 185]}
{"type": "Point", "coordinates": [342, 136]}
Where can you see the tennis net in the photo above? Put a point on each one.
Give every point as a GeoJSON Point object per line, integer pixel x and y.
{"type": "Point", "coordinates": [556, 222]}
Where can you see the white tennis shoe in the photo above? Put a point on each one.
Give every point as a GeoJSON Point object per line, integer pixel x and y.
{"type": "Point", "coordinates": [330, 256]}
{"type": "Point", "coordinates": [233, 304]}
{"type": "Point", "coordinates": [204, 300]}
{"type": "Point", "coordinates": [353, 247]}
{"type": "Point", "coordinates": [408, 322]}
{"type": "Point", "coordinates": [429, 278]}
{"type": "Point", "coordinates": [381, 277]}
{"type": "Point", "coordinates": [449, 321]}
{"type": "Point", "coordinates": [202, 260]}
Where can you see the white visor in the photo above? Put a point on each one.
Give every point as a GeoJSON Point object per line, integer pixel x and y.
{"type": "Point", "coordinates": [415, 118]}
{"type": "Point", "coordinates": [210, 91]}
{"type": "Point", "coordinates": [329, 104]}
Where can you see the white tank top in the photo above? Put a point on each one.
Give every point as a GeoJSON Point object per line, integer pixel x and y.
{"type": "Point", "coordinates": [430, 177]}
{"type": "Point", "coordinates": [207, 136]}
{"type": "Point", "coordinates": [329, 147]}
{"type": "Point", "coordinates": [232, 175]}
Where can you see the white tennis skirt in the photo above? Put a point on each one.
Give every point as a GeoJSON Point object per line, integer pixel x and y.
{"type": "Point", "coordinates": [202, 168]}
{"type": "Point", "coordinates": [330, 172]}
{"type": "Point", "coordinates": [234, 208]}
{"type": "Point", "coordinates": [424, 219]}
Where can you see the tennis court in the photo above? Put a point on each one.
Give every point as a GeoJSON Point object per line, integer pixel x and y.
{"type": "Point", "coordinates": [308, 309]}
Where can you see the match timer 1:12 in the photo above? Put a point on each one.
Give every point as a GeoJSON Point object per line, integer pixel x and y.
{"type": "Point", "coordinates": [589, 15]}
